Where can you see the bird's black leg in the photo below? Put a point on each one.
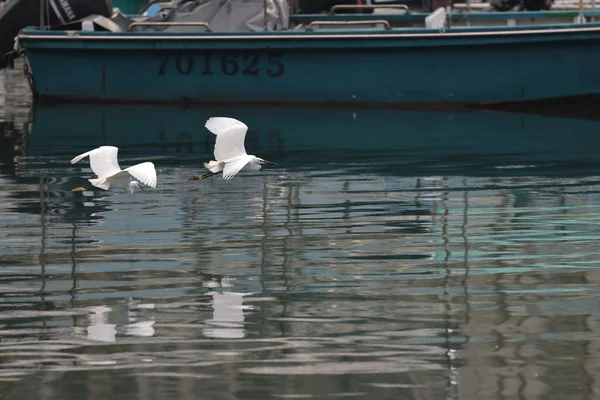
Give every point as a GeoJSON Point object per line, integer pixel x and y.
{"type": "Point", "coordinates": [203, 176]}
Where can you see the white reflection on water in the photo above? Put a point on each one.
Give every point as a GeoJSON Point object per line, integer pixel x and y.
{"type": "Point", "coordinates": [228, 313]}
{"type": "Point", "coordinates": [99, 328]}
{"type": "Point", "coordinates": [228, 316]}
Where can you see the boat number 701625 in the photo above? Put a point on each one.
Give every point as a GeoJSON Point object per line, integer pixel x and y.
{"type": "Point", "coordinates": [229, 63]}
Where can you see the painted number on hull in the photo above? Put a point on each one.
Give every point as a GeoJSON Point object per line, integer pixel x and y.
{"type": "Point", "coordinates": [228, 63]}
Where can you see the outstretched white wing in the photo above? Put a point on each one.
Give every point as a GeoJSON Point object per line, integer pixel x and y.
{"type": "Point", "coordinates": [230, 137]}
{"type": "Point", "coordinates": [232, 168]}
{"type": "Point", "coordinates": [103, 161]}
{"type": "Point", "coordinates": [144, 172]}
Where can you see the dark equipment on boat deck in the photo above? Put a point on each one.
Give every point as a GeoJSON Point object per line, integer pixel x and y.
{"type": "Point", "coordinates": [320, 6]}
{"type": "Point", "coordinates": [521, 5]}
{"type": "Point", "coordinates": [18, 14]}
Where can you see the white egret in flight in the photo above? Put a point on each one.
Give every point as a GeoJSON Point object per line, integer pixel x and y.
{"type": "Point", "coordinates": [103, 161]}
{"type": "Point", "coordinates": [230, 153]}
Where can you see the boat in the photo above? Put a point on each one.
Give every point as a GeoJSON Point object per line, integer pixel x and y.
{"type": "Point", "coordinates": [201, 52]}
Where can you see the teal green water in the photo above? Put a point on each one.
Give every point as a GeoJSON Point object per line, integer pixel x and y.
{"type": "Point", "coordinates": [387, 255]}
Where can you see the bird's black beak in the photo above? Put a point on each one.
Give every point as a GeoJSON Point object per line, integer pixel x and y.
{"type": "Point", "coordinates": [267, 162]}
{"type": "Point", "coordinates": [141, 188]}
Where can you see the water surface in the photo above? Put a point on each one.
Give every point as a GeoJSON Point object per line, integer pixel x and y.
{"type": "Point", "coordinates": [389, 254]}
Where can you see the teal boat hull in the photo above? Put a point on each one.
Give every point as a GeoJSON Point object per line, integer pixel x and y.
{"type": "Point", "coordinates": [397, 67]}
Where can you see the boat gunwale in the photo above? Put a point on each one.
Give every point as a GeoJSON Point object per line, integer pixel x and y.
{"type": "Point", "coordinates": [418, 33]}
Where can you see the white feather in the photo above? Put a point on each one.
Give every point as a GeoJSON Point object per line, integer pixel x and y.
{"type": "Point", "coordinates": [232, 167]}
{"type": "Point", "coordinates": [231, 134]}
{"type": "Point", "coordinates": [100, 183]}
{"type": "Point", "coordinates": [214, 166]}
{"type": "Point", "coordinates": [103, 161]}
{"type": "Point", "coordinates": [144, 173]}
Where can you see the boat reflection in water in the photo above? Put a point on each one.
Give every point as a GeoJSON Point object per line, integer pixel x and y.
{"type": "Point", "coordinates": [399, 141]}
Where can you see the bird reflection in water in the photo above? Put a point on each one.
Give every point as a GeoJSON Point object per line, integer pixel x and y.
{"type": "Point", "coordinates": [228, 314]}
{"type": "Point", "coordinates": [105, 320]}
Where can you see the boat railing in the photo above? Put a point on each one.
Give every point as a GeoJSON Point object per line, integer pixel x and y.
{"type": "Point", "coordinates": [377, 23]}
{"type": "Point", "coordinates": [368, 7]}
{"type": "Point", "coordinates": [205, 25]}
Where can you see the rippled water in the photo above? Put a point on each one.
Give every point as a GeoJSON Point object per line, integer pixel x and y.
{"type": "Point", "coordinates": [389, 254]}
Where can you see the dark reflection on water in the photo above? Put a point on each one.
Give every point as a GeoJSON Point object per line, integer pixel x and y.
{"type": "Point", "coordinates": [389, 254]}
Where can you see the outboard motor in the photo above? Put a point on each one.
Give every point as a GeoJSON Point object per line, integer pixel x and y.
{"type": "Point", "coordinates": [18, 14]}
